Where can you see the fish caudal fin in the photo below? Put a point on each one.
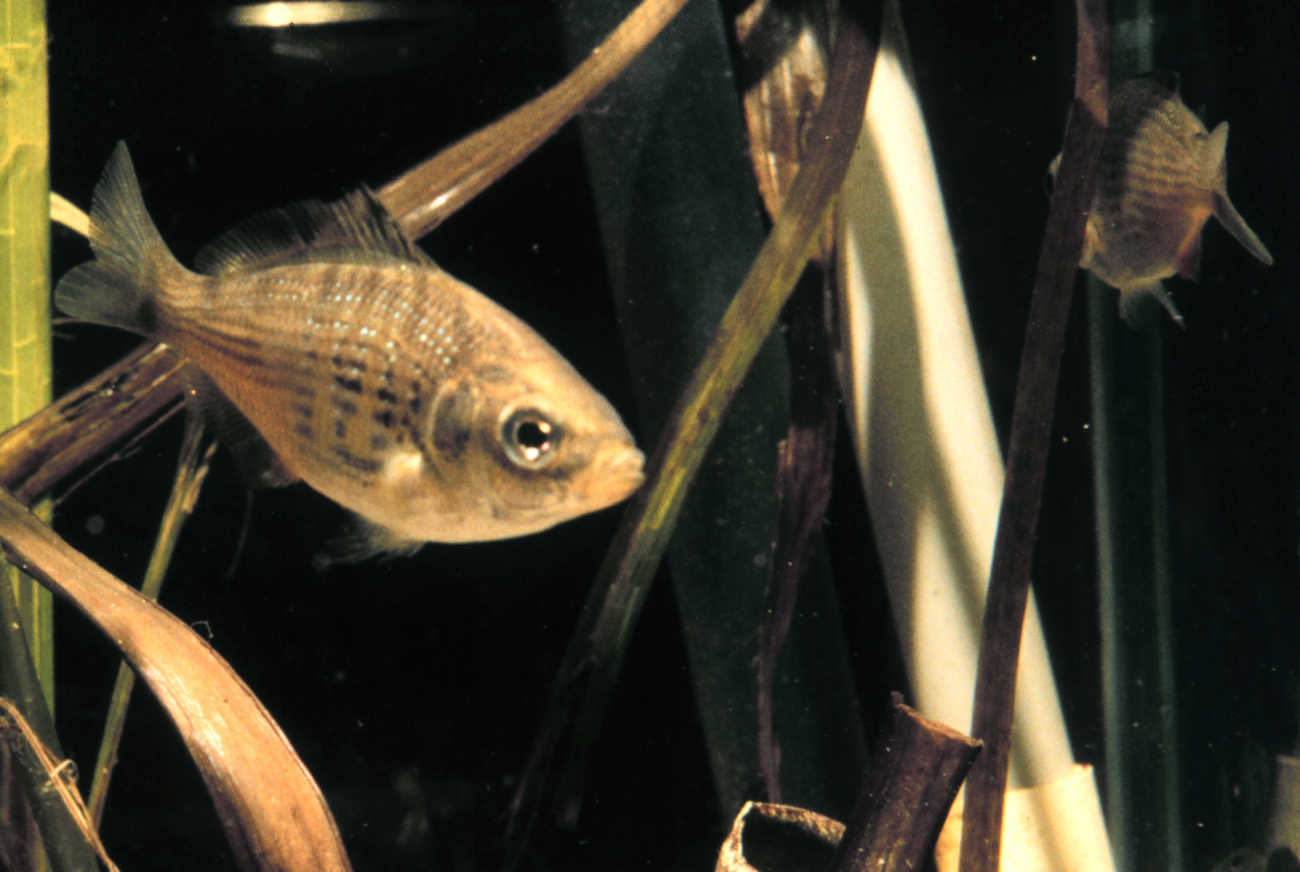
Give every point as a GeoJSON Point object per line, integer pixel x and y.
{"type": "Point", "coordinates": [1216, 148]}
{"type": "Point", "coordinates": [1128, 300]}
{"type": "Point", "coordinates": [132, 263]}
{"type": "Point", "coordinates": [1236, 225]}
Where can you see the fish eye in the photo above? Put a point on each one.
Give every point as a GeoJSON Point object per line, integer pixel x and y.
{"type": "Point", "coordinates": [530, 438]}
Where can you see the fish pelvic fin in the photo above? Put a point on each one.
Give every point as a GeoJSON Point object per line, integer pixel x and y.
{"type": "Point", "coordinates": [1128, 301]}
{"type": "Point", "coordinates": [132, 264]}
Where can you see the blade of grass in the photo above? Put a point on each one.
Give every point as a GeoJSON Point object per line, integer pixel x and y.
{"type": "Point", "coordinates": [1031, 425]}
{"type": "Point", "coordinates": [424, 196]}
{"type": "Point", "coordinates": [191, 469]}
{"type": "Point", "coordinates": [273, 813]}
{"type": "Point", "coordinates": [591, 667]}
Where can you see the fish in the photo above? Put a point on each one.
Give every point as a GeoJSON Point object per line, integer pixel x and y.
{"type": "Point", "coordinates": [1160, 177]}
{"type": "Point", "coordinates": [325, 346]}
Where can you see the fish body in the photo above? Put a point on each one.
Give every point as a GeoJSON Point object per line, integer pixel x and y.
{"type": "Point", "coordinates": [1160, 177]}
{"type": "Point", "coordinates": [370, 374]}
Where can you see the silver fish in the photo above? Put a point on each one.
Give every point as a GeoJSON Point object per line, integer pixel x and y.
{"type": "Point", "coordinates": [370, 374]}
{"type": "Point", "coordinates": [1160, 177]}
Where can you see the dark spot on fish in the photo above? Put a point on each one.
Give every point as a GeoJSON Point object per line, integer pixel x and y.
{"type": "Point", "coordinates": [379, 442]}
{"type": "Point", "coordinates": [452, 421]}
{"type": "Point", "coordinates": [340, 429]}
{"type": "Point", "coordinates": [385, 417]}
{"type": "Point", "coordinates": [386, 396]}
{"type": "Point", "coordinates": [406, 421]}
{"type": "Point", "coordinates": [147, 315]}
{"type": "Point", "coordinates": [348, 384]}
{"type": "Point", "coordinates": [347, 407]}
{"type": "Point", "coordinates": [361, 464]}
{"type": "Point", "coordinates": [302, 390]}
{"type": "Point", "coordinates": [302, 409]}
{"type": "Point", "coordinates": [341, 362]}
{"type": "Point", "coordinates": [497, 512]}
{"type": "Point", "coordinates": [310, 355]}
{"type": "Point", "coordinates": [386, 375]}
{"type": "Point", "coordinates": [415, 405]}
{"type": "Point", "coordinates": [303, 430]}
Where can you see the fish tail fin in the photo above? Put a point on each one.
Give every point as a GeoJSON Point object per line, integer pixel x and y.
{"type": "Point", "coordinates": [132, 264]}
{"type": "Point", "coordinates": [1236, 225]}
{"type": "Point", "coordinates": [1216, 170]}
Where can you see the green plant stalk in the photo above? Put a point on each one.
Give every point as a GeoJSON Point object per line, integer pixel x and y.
{"type": "Point", "coordinates": [191, 469]}
{"type": "Point", "coordinates": [1130, 473]}
{"type": "Point", "coordinates": [25, 369]}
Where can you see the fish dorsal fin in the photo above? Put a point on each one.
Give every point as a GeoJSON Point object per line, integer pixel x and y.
{"type": "Point", "coordinates": [1170, 80]}
{"type": "Point", "coordinates": [357, 225]}
{"type": "Point", "coordinates": [256, 461]}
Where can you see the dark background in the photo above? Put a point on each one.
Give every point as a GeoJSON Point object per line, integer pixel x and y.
{"type": "Point", "coordinates": [412, 688]}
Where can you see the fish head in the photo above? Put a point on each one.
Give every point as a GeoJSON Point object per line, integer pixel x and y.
{"type": "Point", "coordinates": [529, 444]}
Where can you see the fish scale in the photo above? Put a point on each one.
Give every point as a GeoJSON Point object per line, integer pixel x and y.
{"type": "Point", "coordinates": [334, 351]}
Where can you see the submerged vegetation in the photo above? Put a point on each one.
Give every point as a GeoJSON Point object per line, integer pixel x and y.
{"type": "Point", "coordinates": [415, 689]}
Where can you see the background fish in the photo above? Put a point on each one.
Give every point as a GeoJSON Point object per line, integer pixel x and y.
{"type": "Point", "coordinates": [336, 352]}
{"type": "Point", "coordinates": [1161, 176]}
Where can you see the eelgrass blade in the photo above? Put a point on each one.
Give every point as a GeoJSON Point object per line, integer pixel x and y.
{"type": "Point", "coordinates": [1130, 483]}
{"type": "Point", "coordinates": [25, 372]}
{"type": "Point", "coordinates": [273, 813]}
{"type": "Point", "coordinates": [591, 667]}
{"type": "Point", "coordinates": [191, 469]}
{"type": "Point", "coordinates": [1031, 425]}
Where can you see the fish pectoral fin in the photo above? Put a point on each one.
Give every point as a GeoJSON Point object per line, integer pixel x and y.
{"type": "Point", "coordinates": [1128, 300]}
{"type": "Point", "coordinates": [354, 228]}
{"type": "Point", "coordinates": [256, 461]}
{"type": "Point", "coordinates": [1236, 225]}
{"type": "Point", "coordinates": [362, 540]}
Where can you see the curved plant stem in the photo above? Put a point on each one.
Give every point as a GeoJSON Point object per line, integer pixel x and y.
{"type": "Point", "coordinates": [423, 197]}
{"type": "Point", "coordinates": [591, 667]}
{"type": "Point", "coordinates": [191, 469]}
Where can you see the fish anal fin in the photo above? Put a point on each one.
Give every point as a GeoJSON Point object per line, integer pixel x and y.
{"type": "Point", "coordinates": [1129, 298]}
{"type": "Point", "coordinates": [356, 227]}
{"type": "Point", "coordinates": [363, 540]}
{"type": "Point", "coordinates": [255, 460]}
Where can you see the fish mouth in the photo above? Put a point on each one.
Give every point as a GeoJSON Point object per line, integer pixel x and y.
{"type": "Point", "coordinates": [622, 471]}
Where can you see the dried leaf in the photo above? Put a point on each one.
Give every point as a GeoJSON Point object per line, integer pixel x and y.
{"type": "Point", "coordinates": [272, 811]}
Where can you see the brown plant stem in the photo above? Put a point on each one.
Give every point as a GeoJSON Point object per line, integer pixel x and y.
{"type": "Point", "coordinates": [803, 487]}
{"type": "Point", "coordinates": [913, 779]}
{"type": "Point", "coordinates": [1031, 425]}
